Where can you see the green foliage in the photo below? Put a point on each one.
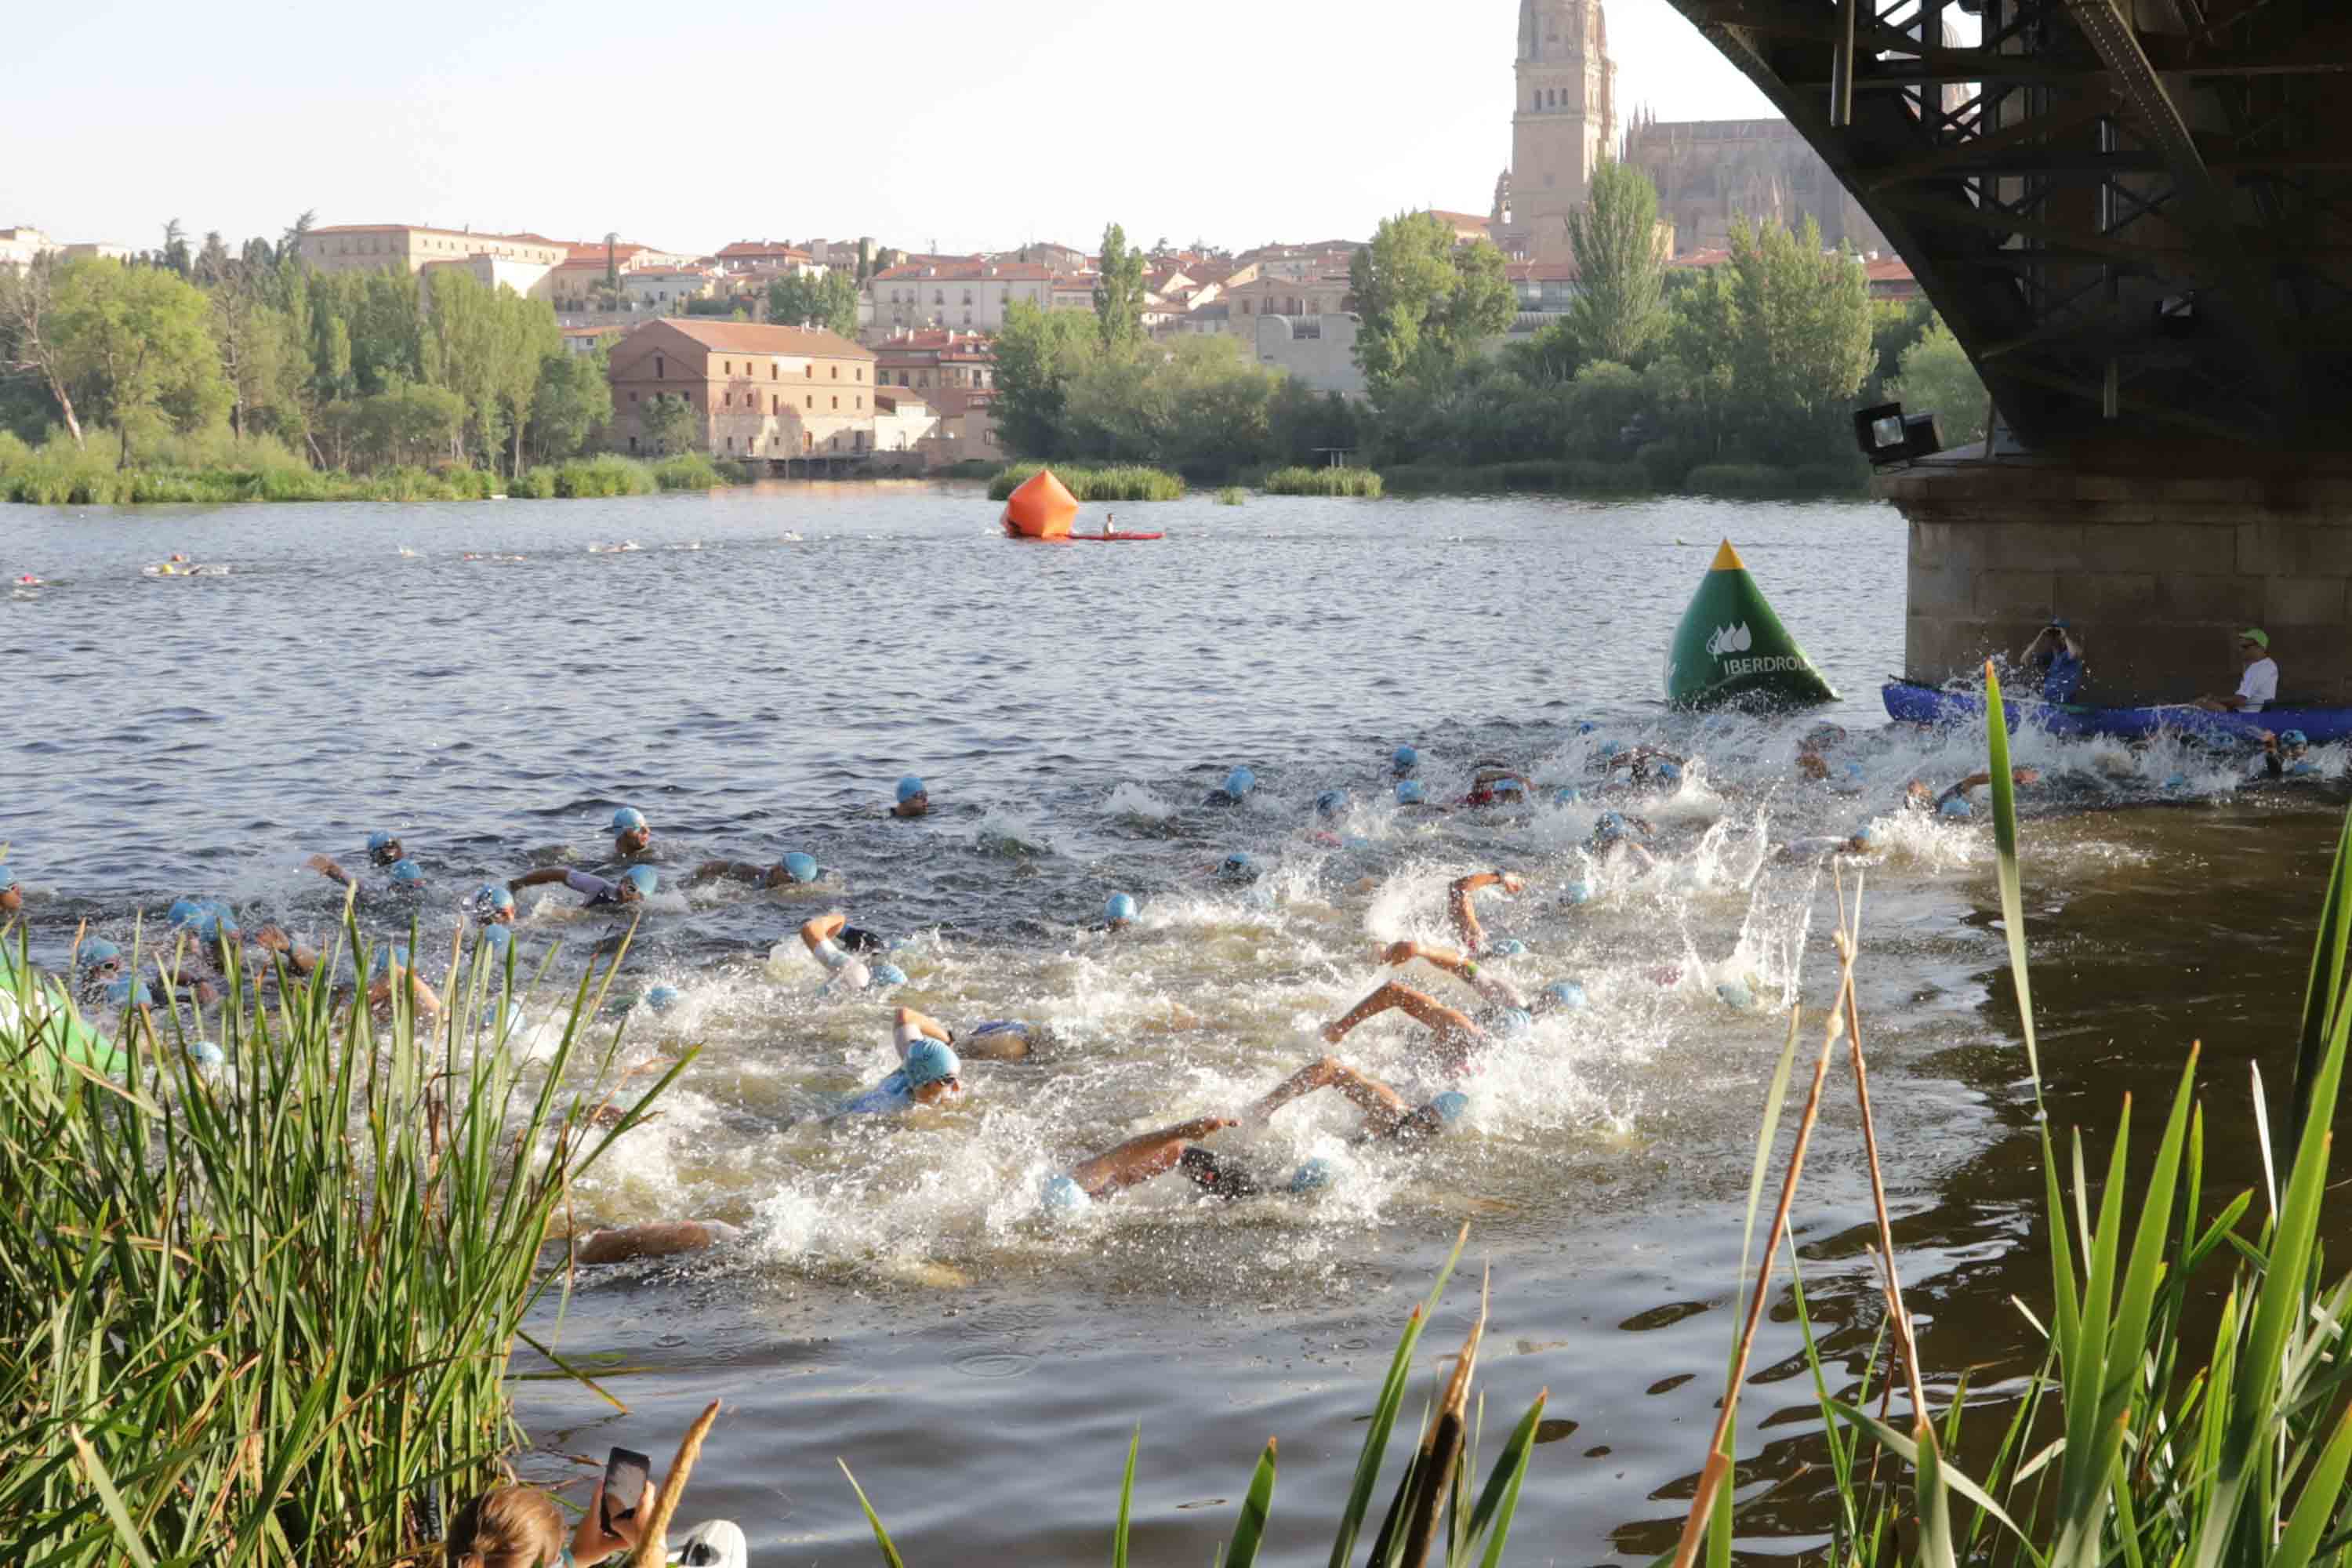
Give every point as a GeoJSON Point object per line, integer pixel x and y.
{"type": "Point", "coordinates": [1128, 483]}
{"type": "Point", "coordinates": [697, 472]}
{"type": "Point", "coordinates": [1620, 266]}
{"type": "Point", "coordinates": [405, 426]}
{"type": "Point", "coordinates": [1038, 354]}
{"type": "Point", "coordinates": [1119, 292]}
{"type": "Point", "coordinates": [1428, 303]}
{"type": "Point", "coordinates": [1937, 378]}
{"type": "Point", "coordinates": [801, 299]}
{"type": "Point", "coordinates": [1765, 480]}
{"type": "Point", "coordinates": [1232, 495]}
{"type": "Point", "coordinates": [267, 1322]}
{"type": "Point", "coordinates": [1324, 481]}
{"type": "Point", "coordinates": [136, 346]}
{"type": "Point", "coordinates": [572, 402]}
{"type": "Point", "coordinates": [669, 423]}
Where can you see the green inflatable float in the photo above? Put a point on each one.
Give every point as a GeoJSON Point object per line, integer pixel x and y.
{"type": "Point", "coordinates": [1732, 649]}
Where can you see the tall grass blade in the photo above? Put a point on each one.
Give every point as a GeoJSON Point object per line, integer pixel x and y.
{"type": "Point", "coordinates": [1385, 1414]}
{"type": "Point", "coordinates": [873, 1521]}
{"type": "Point", "coordinates": [126, 1534]}
{"type": "Point", "coordinates": [2013, 897]}
{"type": "Point", "coordinates": [2323, 994]}
{"type": "Point", "coordinates": [1125, 1502]}
{"type": "Point", "coordinates": [1249, 1529]}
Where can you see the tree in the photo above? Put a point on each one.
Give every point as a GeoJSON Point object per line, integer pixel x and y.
{"type": "Point", "coordinates": [212, 263]}
{"type": "Point", "coordinates": [1620, 266]}
{"type": "Point", "coordinates": [175, 254]}
{"type": "Point", "coordinates": [1938, 378]}
{"type": "Point", "coordinates": [667, 422]}
{"type": "Point", "coordinates": [1118, 291]}
{"type": "Point", "coordinates": [803, 299]}
{"type": "Point", "coordinates": [528, 339]}
{"type": "Point", "coordinates": [574, 400]}
{"type": "Point", "coordinates": [1800, 332]}
{"type": "Point", "coordinates": [29, 343]}
{"type": "Point", "coordinates": [251, 340]}
{"type": "Point", "coordinates": [289, 243]}
{"type": "Point", "coordinates": [1038, 354]}
{"type": "Point", "coordinates": [134, 339]}
{"type": "Point", "coordinates": [1427, 303]}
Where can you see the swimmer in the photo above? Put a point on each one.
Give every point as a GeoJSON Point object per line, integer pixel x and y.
{"type": "Point", "coordinates": [392, 974]}
{"type": "Point", "coordinates": [1455, 1035]}
{"type": "Point", "coordinates": [1821, 847]}
{"type": "Point", "coordinates": [1822, 738]}
{"type": "Point", "coordinates": [654, 1238]}
{"type": "Point", "coordinates": [794, 870]}
{"type": "Point", "coordinates": [96, 964]}
{"type": "Point", "coordinates": [1386, 1113]}
{"type": "Point", "coordinates": [1403, 760]}
{"type": "Point", "coordinates": [832, 941]}
{"type": "Point", "coordinates": [929, 1074]}
{"type": "Point", "coordinates": [1613, 838]}
{"type": "Point", "coordinates": [1460, 911]}
{"type": "Point", "coordinates": [1118, 912]}
{"type": "Point", "coordinates": [1955, 802]}
{"type": "Point", "coordinates": [631, 837]}
{"type": "Point", "coordinates": [1234, 790]}
{"type": "Point", "coordinates": [995, 1040]}
{"type": "Point", "coordinates": [406, 876]}
{"type": "Point", "coordinates": [634, 884]}
{"type": "Point", "coordinates": [1411, 795]}
{"type": "Point", "coordinates": [914, 798]}
{"type": "Point", "coordinates": [1494, 783]}
{"type": "Point", "coordinates": [1240, 865]}
{"type": "Point", "coordinates": [1649, 769]}
{"type": "Point", "coordinates": [12, 897]}
{"type": "Point", "coordinates": [493, 904]}
{"type": "Point", "coordinates": [1105, 1176]}
{"type": "Point", "coordinates": [2284, 755]}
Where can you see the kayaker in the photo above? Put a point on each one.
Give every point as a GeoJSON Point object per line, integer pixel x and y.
{"type": "Point", "coordinates": [2258, 687]}
{"type": "Point", "coordinates": [2058, 658]}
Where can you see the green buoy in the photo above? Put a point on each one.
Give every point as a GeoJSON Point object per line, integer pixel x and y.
{"type": "Point", "coordinates": [1732, 649]}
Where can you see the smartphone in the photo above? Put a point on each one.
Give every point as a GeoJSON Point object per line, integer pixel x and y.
{"type": "Point", "coordinates": [625, 1486]}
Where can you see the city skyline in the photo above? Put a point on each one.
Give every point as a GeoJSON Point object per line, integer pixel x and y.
{"type": "Point", "coordinates": [567, 123]}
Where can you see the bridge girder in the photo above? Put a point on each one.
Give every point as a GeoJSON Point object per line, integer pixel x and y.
{"type": "Point", "coordinates": [2130, 212]}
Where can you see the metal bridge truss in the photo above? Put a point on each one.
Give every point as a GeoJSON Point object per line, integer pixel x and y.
{"type": "Point", "coordinates": [2137, 214]}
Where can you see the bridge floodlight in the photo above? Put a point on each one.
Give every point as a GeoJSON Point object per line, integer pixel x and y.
{"type": "Point", "coordinates": [1887, 435]}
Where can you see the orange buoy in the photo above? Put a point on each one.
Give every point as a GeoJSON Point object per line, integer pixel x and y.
{"type": "Point", "coordinates": [1041, 509]}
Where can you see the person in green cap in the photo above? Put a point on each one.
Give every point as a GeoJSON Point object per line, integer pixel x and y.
{"type": "Point", "coordinates": [2258, 688]}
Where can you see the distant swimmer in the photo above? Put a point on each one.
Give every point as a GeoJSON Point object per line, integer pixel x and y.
{"type": "Point", "coordinates": [796, 869]}
{"type": "Point", "coordinates": [1234, 790]}
{"type": "Point", "coordinates": [403, 876]}
{"type": "Point", "coordinates": [1239, 866]}
{"type": "Point", "coordinates": [835, 943]}
{"type": "Point", "coordinates": [1462, 913]}
{"type": "Point", "coordinates": [97, 964]}
{"type": "Point", "coordinates": [636, 883]}
{"type": "Point", "coordinates": [1104, 1176]}
{"type": "Point", "coordinates": [2056, 657]}
{"type": "Point", "coordinates": [653, 1239]}
{"type": "Point", "coordinates": [1403, 760]}
{"type": "Point", "coordinates": [631, 837]}
{"type": "Point", "coordinates": [1822, 847]}
{"type": "Point", "coordinates": [914, 797]}
{"type": "Point", "coordinates": [2285, 755]}
{"type": "Point", "coordinates": [1814, 747]}
{"type": "Point", "coordinates": [1118, 911]}
{"type": "Point", "coordinates": [1491, 787]}
{"type": "Point", "coordinates": [1411, 797]}
{"type": "Point", "coordinates": [929, 1074]}
{"type": "Point", "coordinates": [2257, 683]}
{"type": "Point", "coordinates": [1955, 801]}
{"type": "Point", "coordinates": [1649, 770]}
{"type": "Point", "coordinates": [12, 897]}
{"type": "Point", "coordinates": [391, 974]}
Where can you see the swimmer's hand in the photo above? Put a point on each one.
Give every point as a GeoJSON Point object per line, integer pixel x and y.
{"type": "Point", "coordinates": [1333, 1034]}
{"type": "Point", "coordinates": [2027, 776]}
{"type": "Point", "coordinates": [1512, 882]}
{"type": "Point", "coordinates": [271, 938]}
{"type": "Point", "coordinates": [2269, 738]}
{"type": "Point", "coordinates": [1200, 1127]}
{"type": "Point", "coordinates": [1403, 952]}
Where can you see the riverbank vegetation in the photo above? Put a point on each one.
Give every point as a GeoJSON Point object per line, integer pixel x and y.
{"type": "Point", "coordinates": [262, 1313]}
{"type": "Point", "coordinates": [1125, 482]}
{"type": "Point", "coordinates": [1734, 379]}
{"type": "Point", "coordinates": [1323, 481]}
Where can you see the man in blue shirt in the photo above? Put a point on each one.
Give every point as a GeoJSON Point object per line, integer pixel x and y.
{"type": "Point", "coordinates": [2059, 658]}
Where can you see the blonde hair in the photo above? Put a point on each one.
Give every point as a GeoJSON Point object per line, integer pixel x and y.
{"type": "Point", "coordinates": [507, 1527]}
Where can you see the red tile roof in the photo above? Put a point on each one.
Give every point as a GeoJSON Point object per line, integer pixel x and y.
{"type": "Point", "coordinates": [760, 337]}
{"type": "Point", "coordinates": [966, 272]}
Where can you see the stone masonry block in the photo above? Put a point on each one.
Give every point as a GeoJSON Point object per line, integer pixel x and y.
{"type": "Point", "coordinates": [2193, 597]}
{"type": "Point", "coordinates": [2015, 595]}
{"type": "Point", "coordinates": [2303, 601]}
{"type": "Point", "coordinates": [2102, 599]}
{"type": "Point", "coordinates": [2150, 547]}
{"type": "Point", "coordinates": [2272, 548]}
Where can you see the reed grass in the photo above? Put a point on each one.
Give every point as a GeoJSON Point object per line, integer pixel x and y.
{"type": "Point", "coordinates": [2141, 1437]}
{"type": "Point", "coordinates": [263, 1315]}
{"type": "Point", "coordinates": [1232, 495]}
{"type": "Point", "coordinates": [1130, 482]}
{"type": "Point", "coordinates": [1324, 481]}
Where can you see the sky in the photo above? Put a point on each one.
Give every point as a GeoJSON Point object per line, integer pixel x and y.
{"type": "Point", "coordinates": [927, 123]}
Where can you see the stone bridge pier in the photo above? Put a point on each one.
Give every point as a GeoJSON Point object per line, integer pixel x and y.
{"type": "Point", "coordinates": [2156, 553]}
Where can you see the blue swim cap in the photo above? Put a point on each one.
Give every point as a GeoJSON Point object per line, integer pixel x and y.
{"type": "Point", "coordinates": [98, 951]}
{"type": "Point", "coordinates": [1508, 786]}
{"type": "Point", "coordinates": [1567, 794]}
{"type": "Point", "coordinates": [643, 879]}
{"type": "Point", "coordinates": [1238, 866]}
{"type": "Point", "coordinates": [1240, 782]}
{"type": "Point", "coordinates": [660, 998]}
{"type": "Point", "coordinates": [205, 1054]}
{"type": "Point", "coordinates": [1450, 1106]}
{"type": "Point", "coordinates": [910, 787]}
{"type": "Point", "coordinates": [1506, 947]}
{"type": "Point", "coordinates": [628, 819]}
{"type": "Point", "coordinates": [1408, 793]}
{"type": "Point", "coordinates": [1565, 994]}
{"type": "Point", "coordinates": [928, 1061]}
{"type": "Point", "coordinates": [800, 868]}
{"type": "Point", "coordinates": [2293, 738]}
{"type": "Point", "coordinates": [1331, 802]}
{"type": "Point", "coordinates": [2178, 780]}
{"type": "Point", "coordinates": [1853, 770]}
{"type": "Point", "coordinates": [1611, 827]}
{"type": "Point", "coordinates": [8, 879]}
{"type": "Point", "coordinates": [1063, 1196]}
{"type": "Point", "coordinates": [182, 911]}
{"type": "Point", "coordinates": [1405, 759]}
{"type": "Point", "coordinates": [2297, 769]}
{"type": "Point", "coordinates": [1121, 906]}
{"type": "Point", "coordinates": [1313, 1177]}
{"type": "Point", "coordinates": [380, 839]}
{"type": "Point", "coordinates": [1867, 833]}
{"type": "Point", "coordinates": [1667, 773]}
{"type": "Point", "coordinates": [1958, 806]}
{"type": "Point", "coordinates": [1610, 748]}
{"type": "Point", "coordinates": [127, 992]}
{"type": "Point", "coordinates": [216, 922]}
{"type": "Point", "coordinates": [408, 873]}
{"type": "Point", "coordinates": [1586, 726]}
{"type": "Point", "coordinates": [385, 957]}
{"type": "Point", "coordinates": [498, 937]}
{"type": "Point", "coordinates": [886, 974]}
{"type": "Point", "coordinates": [1512, 1021]}
{"type": "Point", "coordinates": [1734, 994]}
{"type": "Point", "coordinates": [488, 898]}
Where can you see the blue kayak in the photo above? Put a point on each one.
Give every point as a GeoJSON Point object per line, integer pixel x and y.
{"type": "Point", "coordinates": [1916, 703]}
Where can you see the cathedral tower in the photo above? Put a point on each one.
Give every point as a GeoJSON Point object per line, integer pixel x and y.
{"type": "Point", "coordinates": [1564, 123]}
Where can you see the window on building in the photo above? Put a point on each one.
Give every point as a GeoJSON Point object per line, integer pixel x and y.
{"type": "Point", "coordinates": [939, 297]}
{"type": "Point", "coordinates": [836, 403]}
{"type": "Point", "coordinates": [730, 443]}
{"type": "Point", "coordinates": [967, 296]}
{"type": "Point", "coordinates": [772, 370]}
{"type": "Point", "coordinates": [633, 443]}
{"type": "Point", "coordinates": [730, 367]}
{"type": "Point", "coordinates": [860, 371]}
{"type": "Point", "coordinates": [861, 401]}
{"type": "Point", "coordinates": [632, 395]}
{"type": "Point", "coordinates": [808, 402]}
{"type": "Point", "coordinates": [810, 371]}
{"type": "Point", "coordinates": [775, 403]}
{"type": "Point", "coordinates": [658, 367]}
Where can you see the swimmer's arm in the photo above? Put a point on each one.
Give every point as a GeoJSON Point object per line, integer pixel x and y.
{"type": "Point", "coordinates": [329, 870]}
{"type": "Point", "coordinates": [1415, 1004]}
{"type": "Point", "coordinates": [1141, 1158]}
{"type": "Point", "coordinates": [539, 879]}
{"type": "Point", "coordinates": [1811, 766]}
{"type": "Point", "coordinates": [657, 1238]}
{"type": "Point", "coordinates": [741, 870]}
{"type": "Point", "coordinates": [1443, 958]}
{"type": "Point", "coordinates": [909, 1018]}
{"type": "Point", "coordinates": [420, 995]}
{"type": "Point", "coordinates": [1382, 1106]}
{"type": "Point", "coordinates": [816, 932]}
{"type": "Point", "coordinates": [300, 960]}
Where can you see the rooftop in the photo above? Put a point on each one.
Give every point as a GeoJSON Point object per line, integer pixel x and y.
{"type": "Point", "coordinates": [760, 337]}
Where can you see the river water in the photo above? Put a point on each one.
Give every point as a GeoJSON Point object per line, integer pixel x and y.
{"type": "Point", "coordinates": [897, 1302]}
